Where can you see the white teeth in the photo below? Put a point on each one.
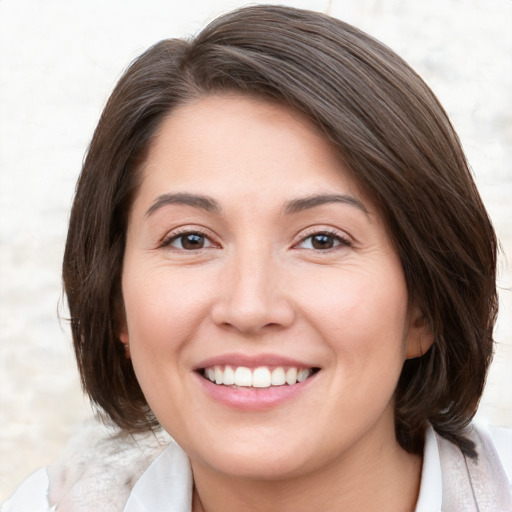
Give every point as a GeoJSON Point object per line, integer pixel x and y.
{"type": "Point", "coordinates": [229, 376]}
{"type": "Point", "coordinates": [303, 374]}
{"type": "Point", "coordinates": [243, 376]}
{"type": "Point", "coordinates": [261, 377]}
{"type": "Point", "coordinates": [278, 377]}
{"type": "Point", "coordinates": [291, 376]}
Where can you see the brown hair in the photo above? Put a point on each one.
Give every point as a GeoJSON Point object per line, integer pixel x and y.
{"type": "Point", "coordinates": [390, 132]}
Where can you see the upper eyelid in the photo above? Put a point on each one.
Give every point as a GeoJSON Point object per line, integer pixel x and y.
{"type": "Point", "coordinates": [300, 237]}
{"type": "Point", "coordinates": [184, 230]}
{"type": "Point", "coordinates": [341, 242]}
{"type": "Point", "coordinates": [329, 230]}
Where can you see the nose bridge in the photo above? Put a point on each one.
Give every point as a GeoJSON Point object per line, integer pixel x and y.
{"type": "Point", "coordinates": [252, 295]}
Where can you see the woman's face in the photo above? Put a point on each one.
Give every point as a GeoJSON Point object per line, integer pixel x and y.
{"type": "Point", "coordinates": [253, 260]}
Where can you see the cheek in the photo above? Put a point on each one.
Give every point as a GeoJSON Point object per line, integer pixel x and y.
{"type": "Point", "coordinates": [163, 308]}
{"type": "Point", "coordinates": [346, 298]}
{"type": "Point", "coordinates": [362, 316]}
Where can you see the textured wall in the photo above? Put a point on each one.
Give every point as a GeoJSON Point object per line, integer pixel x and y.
{"type": "Point", "coordinates": [58, 62]}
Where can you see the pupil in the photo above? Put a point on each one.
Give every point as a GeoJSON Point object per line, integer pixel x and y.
{"type": "Point", "coordinates": [192, 241]}
{"type": "Point", "coordinates": [322, 242]}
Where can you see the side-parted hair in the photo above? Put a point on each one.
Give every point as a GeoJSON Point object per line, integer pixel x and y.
{"type": "Point", "coordinates": [389, 131]}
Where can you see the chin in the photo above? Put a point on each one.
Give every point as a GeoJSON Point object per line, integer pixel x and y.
{"type": "Point", "coordinates": [263, 468]}
{"type": "Point", "coordinates": [253, 460]}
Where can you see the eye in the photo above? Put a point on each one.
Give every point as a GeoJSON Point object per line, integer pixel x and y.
{"type": "Point", "coordinates": [322, 241]}
{"type": "Point", "coordinates": [189, 241]}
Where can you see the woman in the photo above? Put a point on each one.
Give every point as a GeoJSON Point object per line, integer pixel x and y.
{"type": "Point", "coordinates": [277, 253]}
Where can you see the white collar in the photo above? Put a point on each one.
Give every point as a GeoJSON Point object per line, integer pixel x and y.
{"type": "Point", "coordinates": [431, 487]}
{"type": "Point", "coordinates": [167, 484]}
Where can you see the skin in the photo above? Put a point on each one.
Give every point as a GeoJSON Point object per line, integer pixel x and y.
{"type": "Point", "coordinates": [259, 285]}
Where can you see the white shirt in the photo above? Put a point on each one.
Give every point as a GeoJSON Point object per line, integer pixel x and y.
{"type": "Point", "coordinates": [449, 483]}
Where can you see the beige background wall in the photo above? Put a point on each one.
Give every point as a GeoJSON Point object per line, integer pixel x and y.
{"type": "Point", "coordinates": [58, 62]}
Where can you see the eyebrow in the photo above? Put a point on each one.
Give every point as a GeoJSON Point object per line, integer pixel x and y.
{"type": "Point", "coordinates": [294, 206]}
{"type": "Point", "coordinates": [195, 200]}
{"type": "Point", "coordinates": [305, 203]}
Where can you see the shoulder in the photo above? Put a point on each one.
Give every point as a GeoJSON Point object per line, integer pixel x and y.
{"type": "Point", "coordinates": [494, 448]}
{"type": "Point", "coordinates": [483, 480]}
{"type": "Point", "coordinates": [97, 472]}
{"type": "Point", "coordinates": [502, 440]}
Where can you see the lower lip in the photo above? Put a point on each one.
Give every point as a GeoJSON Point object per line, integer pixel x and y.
{"type": "Point", "coordinates": [253, 399]}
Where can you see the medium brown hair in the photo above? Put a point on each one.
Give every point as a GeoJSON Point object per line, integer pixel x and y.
{"type": "Point", "coordinates": [388, 129]}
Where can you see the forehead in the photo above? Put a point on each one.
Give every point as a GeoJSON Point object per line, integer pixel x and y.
{"type": "Point", "coordinates": [237, 144]}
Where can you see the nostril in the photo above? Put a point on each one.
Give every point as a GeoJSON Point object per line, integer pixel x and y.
{"type": "Point", "coordinates": [250, 319]}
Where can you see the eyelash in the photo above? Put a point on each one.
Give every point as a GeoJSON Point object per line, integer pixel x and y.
{"type": "Point", "coordinates": [338, 239]}
{"type": "Point", "coordinates": [176, 235]}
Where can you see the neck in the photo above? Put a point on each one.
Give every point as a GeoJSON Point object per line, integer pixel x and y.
{"type": "Point", "coordinates": [383, 479]}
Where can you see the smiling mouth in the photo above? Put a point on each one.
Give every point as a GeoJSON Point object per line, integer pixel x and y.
{"type": "Point", "coordinates": [260, 377]}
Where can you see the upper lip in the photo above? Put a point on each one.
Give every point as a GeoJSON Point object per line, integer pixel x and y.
{"type": "Point", "coordinates": [253, 361]}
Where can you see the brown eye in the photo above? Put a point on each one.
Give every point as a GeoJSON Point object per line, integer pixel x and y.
{"type": "Point", "coordinates": [323, 241]}
{"type": "Point", "coordinates": [192, 241]}
{"type": "Point", "coordinates": [189, 241]}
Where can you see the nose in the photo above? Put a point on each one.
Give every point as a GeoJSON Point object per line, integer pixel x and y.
{"type": "Point", "coordinates": [252, 295]}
